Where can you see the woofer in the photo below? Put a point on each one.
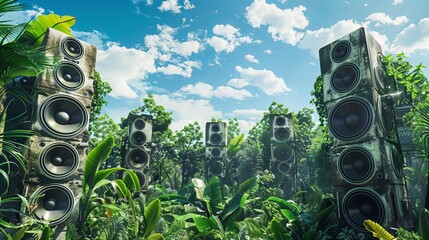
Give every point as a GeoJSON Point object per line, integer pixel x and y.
{"type": "Point", "coordinates": [215, 152]}
{"type": "Point", "coordinates": [280, 121]}
{"type": "Point", "coordinates": [215, 167]}
{"type": "Point", "coordinates": [345, 77]}
{"type": "Point", "coordinates": [350, 119]}
{"type": "Point", "coordinates": [138, 138]}
{"type": "Point", "coordinates": [356, 165]}
{"type": "Point", "coordinates": [139, 124]}
{"type": "Point", "coordinates": [360, 204]}
{"type": "Point", "coordinates": [54, 203]}
{"type": "Point", "coordinates": [281, 134]}
{"type": "Point", "coordinates": [63, 116]}
{"type": "Point", "coordinates": [284, 167]}
{"type": "Point", "coordinates": [282, 152]}
{"type": "Point", "coordinates": [72, 48]}
{"type": "Point", "coordinates": [215, 128]}
{"type": "Point", "coordinates": [341, 51]}
{"type": "Point", "coordinates": [215, 139]}
{"type": "Point", "coordinates": [69, 76]}
{"type": "Point", "coordinates": [136, 159]}
{"type": "Point", "coordinates": [143, 179]}
{"type": "Point", "coordinates": [58, 160]}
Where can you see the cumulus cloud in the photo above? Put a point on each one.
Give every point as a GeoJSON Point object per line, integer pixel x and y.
{"type": "Point", "coordinates": [283, 24]}
{"type": "Point", "coordinates": [252, 114]}
{"type": "Point", "coordinates": [122, 67]}
{"type": "Point", "coordinates": [263, 79]}
{"type": "Point", "coordinates": [174, 6]}
{"type": "Point", "coordinates": [95, 38]}
{"type": "Point", "coordinates": [208, 91]}
{"type": "Point", "coordinates": [22, 16]}
{"type": "Point", "coordinates": [184, 69]}
{"type": "Point", "coordinates": [187, 111]}
{"type": "Point", "coordinates": [227, 38]}
{"type": "Point", "coordinates": [268, 51]}
{"type": "Point", "coordinates": [251, 58]}
{"type": "Point", "coordinates": [396, 2]}
{"type": "Point", "coordinates": [188, 5]}
{"type": "Point", "coordinates": [413, 38]}
{"type": "Point", "coordinates": [384, 19]}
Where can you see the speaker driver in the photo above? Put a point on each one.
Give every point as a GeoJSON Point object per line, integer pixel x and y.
{"type": "Point", "coordinates": [284, 167]}
{"type": "Point", "coordinates": [341, 51]}
{"type": "Point", "coordinates": [350, 119]}
{"type": "Point", "coordinates": [215, 128]}
{"type": "Point", "coordinates": [138, 138]}
{"type": "Point", "coordinates": [215, 139]}
{"type": "Point", "coordinates": [139, 124]}
{"type": "Point", "coordinates": [360, 204]}
{"type": "Point", "coordinates": [59, 160]}
{"type": "Point", "coordinates": [137, 159]}
{"type": "Point", "coordinates": [215, 152]}
{"type": "Point", "coordinates": [215, 167]}
{"type": "Point", "coordinates": [387, 116]}
{"type": "Point", "coordinates": [72, 48]}
{"type": "Point", "coordinates": [282, 152]}
{"type": "Point", "coordinates": [142, 179]}
{"type": "Point", "coordinates": [356, 165]}
{"type": "Point", "coordinates": [280, 121]}
{"type": "Point", "coordinates": [345, 77]}
{"type": "Point", "coordinates": [281, 134]}
{"type": "Point", "coordinates": [69, 76]}
{"type": "Point", "coordinates": [54, 203]}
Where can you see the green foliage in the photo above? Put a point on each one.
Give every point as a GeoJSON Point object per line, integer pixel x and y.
{"type": "Point", "coordinates": [39, 26]}
{"type": "Point", "coordinates": [377, 230]}
{"type": "Point", "coordinates": [234, 145]}
{"type": "Point", "coordinates": [279, 231]}
{"type": "Point", "coordinates": [101, 89]}
{"type": "Point", "coordinates": [424, 224]}
{"type": "Point", "coordinates": [318, 100]}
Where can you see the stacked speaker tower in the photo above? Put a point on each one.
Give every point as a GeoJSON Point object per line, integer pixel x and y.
{"type": "Point", "coordinates": [283, 149]}
{"type": "Point", "coordinates": [367, 160]}
{"type": "Point", "coordinates": [138, 147]}
{"type": "Point", "coordinates": [61, 110]}
{"type": "Point", "coordinates": [216, 143]}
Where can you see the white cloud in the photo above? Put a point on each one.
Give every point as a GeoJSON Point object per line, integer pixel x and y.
{"type": "Point", "coordinates": [251, 58]}
{"type": "Point", "coordinates": [18, 17]}
{"type": "Point", "coordinates": [95, 38]}
{"type": "Point", "coordinates": [188, 5]}
{"type": "Point", "coordinates": [264, 79]}
{"type": "Point", "coordinates": [227, 38]}
{"type": "Point", "coordinates": [384, 19]}
{"type": "Point", "coordinates": [187, 111]}
{"type": "Point", "coordinates": [245, 126]}
{"type": "Point", "coordinates": [183, 69]}
{"type": "Point", "coordinates": [414, 38]}
{"type": "Point", "coordinates": [170, 5]}
{"type": "Point", "coordinates": [283, 24]}
{"type": "Point", "coordinates": [122, 67]}
{"type": "Point", "coordinates": [396, 2]}
{"type": "Point", "coordinates": [252, 114]}
{"type": "Point", "coordinates": [207, 91]}
{"type": "Point", "coordinates": [268, 51]}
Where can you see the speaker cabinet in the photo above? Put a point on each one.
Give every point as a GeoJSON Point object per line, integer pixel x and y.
{"type": "Point", "coordinates": [216, 152]}
{"type": "Point", "coordinates": [351, 64]}
{"type": "Point", "coordinates": [366, 155]}
{"type": "Point", "coordinates": [138, 147]}
{"type": "Point", "coordinates": [60, 115]}
{"type": "Point", "coordinates": [282, 143]}
{"type": "Point", "coordinates": [361, 117]}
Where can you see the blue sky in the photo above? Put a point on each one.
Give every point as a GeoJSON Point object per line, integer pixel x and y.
{"type": "Point", "coordinates": [227, 58]}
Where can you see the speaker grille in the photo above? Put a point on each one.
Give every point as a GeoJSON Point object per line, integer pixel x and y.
{"type": "Point", "coordinates": [356, 165]}
{"type": "Point", "coordinates": [345, 77]}
{"type": "Point", "coordinates": [63, 116]}
{"type": "Point", "coordinates": [360, 204]}
{"type": "Point", "coordinates": [350, 119]}
{"type": "Point", "coordinates": [69, 76]}
{"type": "Point", "coordinates": [282, 152]}
{"type": "Point", "coordinates": [72, 48]}
{"type": "Point", "coordinates": [54, 203]}
{"type": "Point", "coordinates": [58, 160]}
{"type": "Point", "coordinates": [137, 159]}
{"type": "Point", "coordinates": [215, 167]}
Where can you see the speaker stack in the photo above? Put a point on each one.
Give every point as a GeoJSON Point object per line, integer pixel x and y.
{"type": "Point", "coordinates": [61, 110]}
{"type": "Point", "coordinates": [216, 143]}
{"type": "Point", "coordinates": [138, 147]}
{"type": "Point", "coordinates": [367, 159]}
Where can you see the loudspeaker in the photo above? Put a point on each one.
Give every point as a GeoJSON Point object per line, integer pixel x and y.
{"type": "Point", "coordinates": [282, 142]}
{"type": "Point", "coordinates": [216, 142]}
{"type": "Point", "coordinates": [366, 155]}
{"type": "Point", "coordinates": [351, 64]}
{"type": "Point", "coordinates": [61, 110]}
{"type": "Point", "coordinates": [138, 147]}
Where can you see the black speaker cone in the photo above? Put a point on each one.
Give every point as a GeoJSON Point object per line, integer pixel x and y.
{"type": "Point", "coordinates": [63, 116]}
{"type": "Point", "coordinates": [137, 159]}
{"type": "Point", "coordinates": [215, 152]}
{"type": "Point", "coordinates": [281, 134]}
{"type": "Point", "coordinates": [341, 51]}
{"type": "Point", "coordinates": [356, 165]}
{"type": "Point", "coordinates": [54, 203]}
{"type": "Point", "coordinates": [360, 204]}
{"type": "Point", "coordinates": [350, 119]}
{"type": "Point", "coordinates": [215, 167]}
{"type": "Point", "coordinates": [138, 138]}
{"type": "Point", "coordinates": [142, 179]}
{"type": "Point", "coordinates": [284, 167]}
{"type": "Point", "coordinates": [58, 160]}
{"type": "Point", "coordinates": [139, 124]}
{"type": "Point", "coordinates": [69, 76]}
{"type": "Point", "coordinates": [345, 77]}
{"type": "Point", "coordinates": [72, 48]}
{"type": "Point", "coordinates": [282, 152]}
{"type": "Point", "coordinates": [280, 121]}
{"type": "Point", "coordinates": [215, 139]}
{"type": "Point", "coordinates": [215, 128]}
